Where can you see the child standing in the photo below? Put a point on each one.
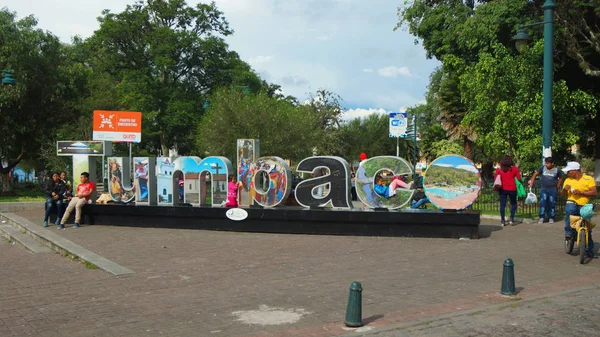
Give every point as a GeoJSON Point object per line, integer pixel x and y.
{"type": "Point", "coordinates": [389, 191]}
{"type": "Point", "coordinates": [233, 186]}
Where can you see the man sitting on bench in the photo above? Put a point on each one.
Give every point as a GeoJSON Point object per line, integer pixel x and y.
{"type": "Point", "coordinates": [84, 192]}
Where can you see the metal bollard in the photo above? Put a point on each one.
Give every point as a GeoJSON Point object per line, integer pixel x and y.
{"type": "Point", "coordinates": [354, 309]}
{"type": "Point", "coordinates": [508, 278]}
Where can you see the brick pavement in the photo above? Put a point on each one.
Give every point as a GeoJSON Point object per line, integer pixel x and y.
{"type": "Point", "coordinates": [189, 282]}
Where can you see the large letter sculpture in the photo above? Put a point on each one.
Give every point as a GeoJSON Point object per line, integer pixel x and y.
{"type": "Point", "coordinates": [387, 167]}
{"type": "Point", "coordinates": [145, 180]}
{"type": "Point", "coordinates": [164, 182]}
{"type": "Point", "coordinates": [337, 178]}
{"type": "Point", "coordinates": [272, 178]}
{"type": "Point", "coordinates": [120, 180]}
{"type": "Point", "coordinates": [219, 169]}
{"type": "Point", "coordinates": [248, 152]}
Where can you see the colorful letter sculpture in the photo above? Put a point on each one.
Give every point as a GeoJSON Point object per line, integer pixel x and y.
{"type": "Point", "coordinates": [337, 178]}
{"type": "Point", "coordinates": [145, 180]}
{"type": "Point", "coordinates": [271, 179]}
{"type": "Point", "coordinates": [387, 167]}
{"type": "Point", "coordinates": [452, 182]}
{"type": "Point", "coordinates": [120, 180]}
{"type": "Point", "coordinates": [248, 151]}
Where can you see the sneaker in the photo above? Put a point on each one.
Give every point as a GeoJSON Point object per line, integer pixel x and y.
{"type": "Point", "coordinates": [45, 223]}
{"type": "Point", "coordinates": [57, 222]}
{"type": "Point", "coordinates": [60, 226]}
{"type": "Point", "coordinates": [76, 225]}
{"type": "Point", "coordinates": [541, 220]}
{"type": "Point", "coordinates": [502, 223]}
{"type": "Point", "coordinates": [590, 255]}
{"type": "Point", "coordinates": [568, 235]}
{"type": "Point", "coordinates": [551, 221]}
{"type": "Point", "coordinates": [511, 223]}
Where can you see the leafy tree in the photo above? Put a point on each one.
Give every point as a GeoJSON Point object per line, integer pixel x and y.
{"type": "Point", "coordinates": [33, 109]}
{"type": "Point", "coordinates": [326, 106]}
{"type": "Point", "coordinates": [165, 58]}
{"type": "Point", "coordinates": [284, 130]}
{"type": "Point", "coordinates": [371, 135]}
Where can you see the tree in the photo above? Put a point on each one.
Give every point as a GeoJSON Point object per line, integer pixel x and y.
{"type": "Point", "coordinates": [505, 104]}
{"type": "Point", "coordinates": [503, 94]}
{"type": "Point", "coordinates": [371, 135]}
{"type": "Point", "coordinates": [32, 110]}
{"type": "Point", "coordinates": [284, 130]}
{"type": "Point", "coordinates": [165, 58]}
{"type": "Point", "coordinates": [326, 106]}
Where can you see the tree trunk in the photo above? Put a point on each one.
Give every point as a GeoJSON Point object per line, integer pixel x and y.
{"type": "Point", "coordinates": [487, 171]}
{"type": "Point", "coordinates": [163, 146]}
{"type": "Point", "coordinates": [468, 148]}
{"type": "Point", "coordinates": [6, 186]}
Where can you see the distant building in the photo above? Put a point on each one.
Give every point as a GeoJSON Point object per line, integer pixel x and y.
{"type": "Point", "coordinates": [164, 180]}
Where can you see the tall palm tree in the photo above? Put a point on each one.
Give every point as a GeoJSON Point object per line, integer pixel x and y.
{"type": "Point", "coordinates": [453, 112]}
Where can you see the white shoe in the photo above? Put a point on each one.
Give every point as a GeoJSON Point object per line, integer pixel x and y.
{"type": "Point", "coordinates": [551, 221]}
{"type": "Point", "coordinates": [541, 220]}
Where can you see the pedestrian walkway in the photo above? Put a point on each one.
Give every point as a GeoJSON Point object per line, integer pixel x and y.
{"type": "Point", "coordinates": [208, 283]}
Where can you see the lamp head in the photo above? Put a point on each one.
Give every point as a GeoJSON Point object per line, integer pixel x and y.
{"type": "Point", "coordinates": [521, 40]}
{"type": "Point", "coordinates": [9, 79]}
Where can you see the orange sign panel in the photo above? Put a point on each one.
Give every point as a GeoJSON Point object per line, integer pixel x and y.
{"type": "Point", "coordinates": [117, 126]}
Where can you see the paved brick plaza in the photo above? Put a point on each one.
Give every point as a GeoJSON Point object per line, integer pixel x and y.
{"type": "Point", "coordinates": [190, 282]}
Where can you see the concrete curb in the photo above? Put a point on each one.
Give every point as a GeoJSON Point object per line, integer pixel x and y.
{"type": "Point", "coordinates": [497, 217]}
{"type": "Point", "coordinates": [15, 236]}
{"type": "Point", "coordinates": [62, 245]}
{"type": "Point", "coordinates": [20, 206]}
{"type": "Point", "coordinates": [404, 325]}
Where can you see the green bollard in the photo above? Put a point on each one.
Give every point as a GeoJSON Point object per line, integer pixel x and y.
{"type": "Point", "coordinates": [508, 278]}
{"type": "Point", "coordinates": [354, 309]}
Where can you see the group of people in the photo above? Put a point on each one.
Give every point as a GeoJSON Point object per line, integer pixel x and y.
{"type": "Point", "coordinates": [578, 187]}
{"type": "Point", "coordinates": [59, 193]}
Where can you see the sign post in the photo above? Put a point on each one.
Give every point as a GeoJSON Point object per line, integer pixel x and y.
{"type": "Point", "coordinates": [398, 128]}
{"type": "Point", "coordinates": [118, 126]}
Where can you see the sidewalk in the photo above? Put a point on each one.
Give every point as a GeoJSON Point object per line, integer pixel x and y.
{"type": "Point", "coordinates": [206, 283]}
{"type": "Point", "coordinates": [568, 313]}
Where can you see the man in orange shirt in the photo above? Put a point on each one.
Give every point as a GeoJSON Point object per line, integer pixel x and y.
{"type": "Point", "coordinates": [84, 192]}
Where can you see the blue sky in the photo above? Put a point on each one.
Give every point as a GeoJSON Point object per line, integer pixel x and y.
{"type": "Point", "coordinates": [346, 46]}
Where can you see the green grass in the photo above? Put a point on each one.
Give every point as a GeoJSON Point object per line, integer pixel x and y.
{"type": "Point", "coordinates": [25, 195]}
{"type": "Point", "coordinates": [90, 265]}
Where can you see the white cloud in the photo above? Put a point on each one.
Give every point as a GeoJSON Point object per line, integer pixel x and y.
{"type": "Point", "coordinates": [468, 168]}
{"type": "Point", "coordinates": [260, 59]}
{"type": "Point", "coordinates": [395, 72]}
{"type": "Point", "coordinates": [444, 165]}
{"type": "Point", "coordinates": [360, 113]}
{"type": "Point", "coordinates": [310, 44]}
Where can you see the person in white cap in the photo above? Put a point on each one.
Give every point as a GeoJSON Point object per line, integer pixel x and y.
{"type": "Point", "coordinates": [578, 188]}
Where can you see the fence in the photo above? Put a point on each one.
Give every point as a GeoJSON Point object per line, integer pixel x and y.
{"type": "Point", "coordinates": [489, 202]}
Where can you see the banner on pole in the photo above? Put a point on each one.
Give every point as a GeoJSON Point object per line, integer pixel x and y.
{"type": "Point", "coordinates": [398, 124]}
{"type": "Point", "coordinates": [117, 126]}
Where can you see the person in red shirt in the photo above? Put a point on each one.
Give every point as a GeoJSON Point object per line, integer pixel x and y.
{"type": "Point", "coordinates": [508, 172]}
{"type": "Point", "coordinates": [84, 192]}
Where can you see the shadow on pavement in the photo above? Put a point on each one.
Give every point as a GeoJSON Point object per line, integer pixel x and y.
{"type": "Point", "coordinates": [485, 231]}
{"type": "Point", "coordinates": [371, 319]}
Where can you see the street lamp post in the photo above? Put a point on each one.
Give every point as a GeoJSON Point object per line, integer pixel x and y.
{"type": "Point", "coordinates": [521, 40]}
{"type": "Point", "coordinates": [8, 77]}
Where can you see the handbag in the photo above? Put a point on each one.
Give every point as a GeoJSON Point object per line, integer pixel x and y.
{"type": "Point", "coordinates": [498, 183]}
{"type": "Point", "coordinates": [521, 193]}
